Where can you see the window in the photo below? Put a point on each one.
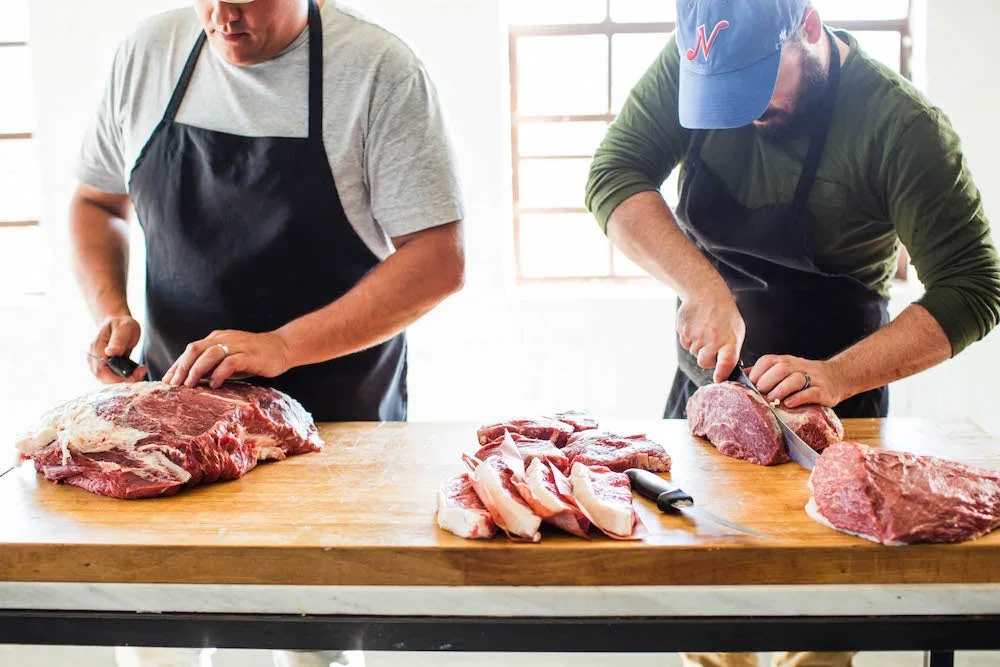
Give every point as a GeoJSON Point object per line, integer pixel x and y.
{"type": "Point", "coordinates": [572, 65]}
{"type": "Point", "coordinates": [22, 246]}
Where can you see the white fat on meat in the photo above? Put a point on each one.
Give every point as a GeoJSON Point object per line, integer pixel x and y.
{"type": "Point", "coordinates": [542, 487]}
{"type": "Point", "coordinates": [460, 511]}
{"type": "Point", "coordinates": [77, 427]}
{"type": "Point", "coordinates": [551, 497]}
{"type": "Point", "coordinates": [603, 497]}
{"type": "Point", "coordinates": [494, 482]}
{"type": "Point", "coordinates": [156, 466]}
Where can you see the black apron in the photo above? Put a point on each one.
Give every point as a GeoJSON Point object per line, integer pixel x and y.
{"type": "Point", "coordinates": [248, 233]}
{"type": "Point", "coordinates": [789, 304]}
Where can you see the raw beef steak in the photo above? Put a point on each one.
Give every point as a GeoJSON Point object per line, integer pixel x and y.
{"type": "Point", "coordinates": [598, 448]}
{"type": "Point", "coordinates": [137, 440]}
{"type": "Point", "coordinates": [550, 494]}
{"type": "Point", "coordinates": [900, 498]}
{"type": "Point", "coordinates": [739, 423]}
{"type": "Point", "coordinates": [542, 429]}
{"type": "Point", "coordinates": [530, 449]}
{"type": "Point", "coordinates": [605, 497]}
{"type": "Point", "coordinates": [460, 511]}
{"type": "Point", "coordinates": [494, 482]}
{"type": "Point", "coordinates": [578, 419]}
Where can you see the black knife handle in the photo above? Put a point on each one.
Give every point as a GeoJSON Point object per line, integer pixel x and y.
{"type": "Point", "coordinates": [668, 498]}
{"type": "Point", "coordinates": [121, 366]}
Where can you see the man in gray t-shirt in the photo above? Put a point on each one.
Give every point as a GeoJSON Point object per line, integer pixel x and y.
{"type": "Point", "coordinates": [290, 235]}
{"type": "Point", "coordinates": [298, 198]}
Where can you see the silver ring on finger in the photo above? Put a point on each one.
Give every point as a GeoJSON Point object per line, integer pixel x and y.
{"type": "Point", "coordinates": [808, 381]}
{"type": "Point", "coordinates": [225, 349]}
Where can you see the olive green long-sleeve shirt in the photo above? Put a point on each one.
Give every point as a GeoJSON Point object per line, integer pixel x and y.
{"type": "Point", "coordinates": [892, 172]}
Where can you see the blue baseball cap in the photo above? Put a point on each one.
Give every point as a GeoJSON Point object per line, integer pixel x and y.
{"type": "Point", "coordinates": [730, 51]}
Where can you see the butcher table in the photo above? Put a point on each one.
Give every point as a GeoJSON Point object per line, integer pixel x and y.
{"type": "Point", "coordinates": [339, 550]}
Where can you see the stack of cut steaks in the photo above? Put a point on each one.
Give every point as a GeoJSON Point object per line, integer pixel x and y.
{"type": "Point", "coordinates": [144, 439]}
{"type": "Point", "coordinates": [740, 424]}
{"type": "Point", "coordinates": [562, 471]}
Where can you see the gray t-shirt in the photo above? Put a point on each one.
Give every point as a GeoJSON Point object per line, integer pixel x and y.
{"type": "Point", "coordinates": [383, 129]}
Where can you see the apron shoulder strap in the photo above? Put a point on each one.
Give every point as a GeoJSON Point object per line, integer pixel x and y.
{"type": "Point", "coordinates": [315, 72]}
{"type": "Point", "coordinates": [818, 140]}
{"type": "Point", "coordinates": [182, 83]}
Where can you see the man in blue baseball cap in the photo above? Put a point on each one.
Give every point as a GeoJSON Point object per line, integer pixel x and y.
{"type": "Point", "coordinates": [805, 164]}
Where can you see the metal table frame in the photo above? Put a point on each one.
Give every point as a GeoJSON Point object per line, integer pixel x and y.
{"type": "Point", "coordinates": [937, 636]}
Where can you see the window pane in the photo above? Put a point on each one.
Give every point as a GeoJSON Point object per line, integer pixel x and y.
{"type": "Point", "coordinates": [627, 268]}
{"type": "Point", "coordinates": [560, 138]}
{"type": "Point", "coordinates": [556, 11]}
{"type": "Point", "coordinates": [552, 183]}
{"type": "Point", "coordinates": [563, 245]}
{"type": "Point", "coordinates": [562, 75]}
{"type": "Point", "coordinates": [631, 55]}
{"type": "Point", "coordinates": [17, 108]}
{"type": "Point", "coordinates": [24, 260]}
{"type": "Point", "coordinates": [669, 189]}
{"type": "Point", "coordinates": [20, 187]}
{"type": "Point", "coordinates": [643, 11]}
{"type": "Point", "coordinates": [883, 46]}
{"type": "Point", "coordinates": [849, 10]}
{"type": "Point", "coordinates": [14, 20]}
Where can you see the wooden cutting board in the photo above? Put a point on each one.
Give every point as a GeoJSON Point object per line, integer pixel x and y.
{"type": "Point", "coordinates": [362, 513]}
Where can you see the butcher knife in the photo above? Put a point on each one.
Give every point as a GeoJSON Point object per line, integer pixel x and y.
{"type": "Point", "coordinates": [121, 366]}
{"type": "Point", "coordinates": [670, 500]}
{"type": "Point", "coordinates": [797, 448]}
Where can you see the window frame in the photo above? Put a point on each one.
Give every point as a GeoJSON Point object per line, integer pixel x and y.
{"type": "Point", "coordinates": [609, 27]}
{"type": "Point", "coordinates": [16, 136]}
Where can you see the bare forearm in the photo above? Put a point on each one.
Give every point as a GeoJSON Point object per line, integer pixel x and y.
{"type": "Point", "coordinates": [394, 295]}
{"type": "Point", "coordinates": [645, 230]}
{"type": "Point", "coordinates": [911, 343]}
{"type": "Point", "coordinates": [99, 251]}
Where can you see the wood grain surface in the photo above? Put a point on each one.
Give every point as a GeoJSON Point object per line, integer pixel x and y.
{"type": "Point", "coordinates": [362, 513]}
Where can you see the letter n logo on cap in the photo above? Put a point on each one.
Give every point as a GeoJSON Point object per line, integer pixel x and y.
{"type": "Point", "coordinates": [705, 44]}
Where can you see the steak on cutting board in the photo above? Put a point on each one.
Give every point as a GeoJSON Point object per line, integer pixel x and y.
{"type": "Point", "coordinates": [541, 429]}
{"type": "Point", "coordinates": [530, 448]}
{"type": "Point", "coordinates": [618, 453]}
{"type": "Point", "coordinates": [899, 498]}
{"type": "Point", "coordinates": [460, 511]}
{"type": "Point", "coordinates": [144, 439]}
{"type": "Point", "coordinates": [739, 423]}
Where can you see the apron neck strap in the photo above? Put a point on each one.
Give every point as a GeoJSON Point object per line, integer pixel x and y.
{"type": "Point", "coordinates": [315, 74]}
{"type": "Point", "coordinates": [182, 83]}
{"type": "Point", "coordinates": [822, 128]}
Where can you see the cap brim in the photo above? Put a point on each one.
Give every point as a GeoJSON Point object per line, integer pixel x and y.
{"type": "Point", "coordinates": [732, 99]}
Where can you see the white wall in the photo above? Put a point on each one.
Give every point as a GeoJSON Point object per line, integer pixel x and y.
{"type": "Point", "coordinates": [495, 349]}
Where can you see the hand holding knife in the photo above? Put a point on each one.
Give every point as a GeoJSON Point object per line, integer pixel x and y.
{"type": "Point", "coordinates": [123, 367]}
{"type": "Point", "coordinates": [797, 448]}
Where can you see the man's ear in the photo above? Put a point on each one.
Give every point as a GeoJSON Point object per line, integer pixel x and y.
{"type": "Point", "coordinates": [812, 26]}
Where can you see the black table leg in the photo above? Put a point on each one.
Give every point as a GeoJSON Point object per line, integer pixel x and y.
{"type": "Point", "coordinates": [939, 659]}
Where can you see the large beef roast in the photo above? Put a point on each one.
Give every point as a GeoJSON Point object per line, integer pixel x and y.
{"type": "Point", "coordinates": [137, 440]}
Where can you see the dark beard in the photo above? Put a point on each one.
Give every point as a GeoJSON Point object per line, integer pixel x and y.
{"type": "Point", "coordinates": [804, 115]}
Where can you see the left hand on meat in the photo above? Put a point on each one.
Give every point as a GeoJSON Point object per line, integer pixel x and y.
{"type": "Point", "coordinates": [229, 354]}
{"type": "Point", "coordinates": [783, 378]}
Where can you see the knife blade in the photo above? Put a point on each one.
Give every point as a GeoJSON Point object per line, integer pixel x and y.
{"type": "Point", "coordinates": [670, 500]}
{"type": "Point", "coordinates": [797, 448]}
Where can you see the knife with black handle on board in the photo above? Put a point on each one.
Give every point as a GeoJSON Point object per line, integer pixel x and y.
{"type": "Point", "coordinates": [671, 500]}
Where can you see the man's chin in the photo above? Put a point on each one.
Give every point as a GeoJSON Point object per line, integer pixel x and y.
{"type": "Point", "coordinates": [772, 128]}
